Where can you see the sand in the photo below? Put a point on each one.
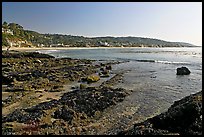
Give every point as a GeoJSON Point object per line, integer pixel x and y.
{"type": "Point", "coordinates": [60, 48]}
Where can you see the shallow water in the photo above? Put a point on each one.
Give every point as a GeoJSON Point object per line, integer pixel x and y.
{"type": "Point", "coordinates": [151, 74]}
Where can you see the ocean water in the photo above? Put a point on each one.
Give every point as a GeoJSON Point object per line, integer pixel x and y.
{"type": "Point", "coordinates": [150, 73]}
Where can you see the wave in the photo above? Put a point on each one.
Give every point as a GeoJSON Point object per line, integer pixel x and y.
{"type": "Point", "coordinates": [164, 62]}
{"type": "Point", "coordinates": [47, 51]}
{"type": "Point", "coordinates": [156, 61]}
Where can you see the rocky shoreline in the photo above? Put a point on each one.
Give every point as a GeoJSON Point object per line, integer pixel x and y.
{"type": "Point", "coordinates": [43, 95]}
{"type": "Point", "coordinates": [36, 101]}
{"type": "Point", "coordinates": [184, 117]}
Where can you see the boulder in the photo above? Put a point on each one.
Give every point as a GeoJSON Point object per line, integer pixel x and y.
{"type": "Point", "coordinates": [109, 67]}
{"type": "Point", "coordinates": [105, 73]}
{"type": "Point", "coordinates": [93, 78]}
{"type": "Point", "coordinates": [184, 117]}
{"type": "Point", "coordinates": [183, 71]}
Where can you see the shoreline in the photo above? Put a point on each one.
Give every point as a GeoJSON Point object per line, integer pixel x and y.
{"type": "Point", "coordinates": [67, 48]}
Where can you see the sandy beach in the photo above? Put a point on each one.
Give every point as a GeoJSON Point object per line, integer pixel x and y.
{"type": "Point", "coordinates": [56, 48]}
{"type": "Point", "coordinates": [61, 48]}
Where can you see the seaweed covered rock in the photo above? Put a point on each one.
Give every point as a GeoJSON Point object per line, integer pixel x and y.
{"type": "Point", "coordinates": [93, 78]}
{"type": "Point", "coordinates": [15, 54]}
{"type": "Point", "coordinates": [64, 113]}
{"type": "Point", "coordinates": [93, 99]}
{"type": "Point", "coordinates": [7, 79]}
{"type": "Point", "coordinates": [21, 116]}
{"type": "Point", "coordinates": [184, 117]}
{"type": "Point", "coordinates": [183, 71]}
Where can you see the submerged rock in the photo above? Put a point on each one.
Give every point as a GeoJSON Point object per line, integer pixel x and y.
{"type": "Point", "coordinates": [183, 71]}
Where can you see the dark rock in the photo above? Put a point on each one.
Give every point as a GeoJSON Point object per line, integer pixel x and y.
{"type": "Point", "coordinates": [7, 131]}
{"type": "Point", "coordinates": [25, 54]}
{"type": "Point", "coordinates": [181, 116]}
{"type": "Point", "coordinates": [23, 77]}
{"type": "Point", "coordinates": [64, 113]}
{"type": "Point", "coordinates": [105, 72]}
{"type": "Point", "coordinates": [102, 64]}
{"type": "Point", "coordinates": [92, 99]}
{"type": "Point", "coordinates": [21, 116]}
{"type": "Point", "coordinates": [7, 79]}
{"type": "Point", "coordinates": [101, 69]}
{"type": "Point", "coordinates": [183, 71]}
{"type": "Point", "coordinates": [83, 86]}
{"type": "Point", "coordinates": [43, 106]}
{"type": "Point", "coordinates": [37, 61]}
{"type": "Point", "coordinates": [45, 126]}
{"type": "Point", "coordinates": [184, 117]}
{"type": "Point", "coordinates": [109, 67]}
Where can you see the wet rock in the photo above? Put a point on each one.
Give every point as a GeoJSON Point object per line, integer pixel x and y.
{"type": "Point", "coordinates": [37, 74]}
{"type": "Point", "coordinates": [93, 78]}
{"type": "Point", "coordinates": [64, 113]}
{"type": "Point", "coordinates": [102, 64]}
{"type": "Point", "coordinates": [25, 54]}
{"type": "Point", "coordinates": [7, 131]}
{"type": "Point", "coordinates": [21, 116]}
{"type": "Point", "coordinates": [37, 61]}
{"type": "Point", "coordinates": [92, 99]}
{"type": "Point", "coordinates": [105, 73]}
{"type": "Point", "coordinates": [83, 86]}
{"type": "Point", "coordinates": [6, 79]}
{"type": "Point", "coordinates": [23, 77]}
{"type": "Point", "coordinates": [183, 118]}
{"type": "Point", "coordinates": [109, 67]}
{"type": "Point", "coordinates": [101, 69]}
{"type": "Point", "coordinates": [56, 88]}
{"type": "Point", "coordinates": [183, 71]}
{"type": "Point", "coordinates": [115, 79]}
{"type": "Point", "coordinates": [43, 106]}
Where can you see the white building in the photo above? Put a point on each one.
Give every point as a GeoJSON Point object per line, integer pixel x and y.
{"type": "Point", "coordinates": [7, 31]}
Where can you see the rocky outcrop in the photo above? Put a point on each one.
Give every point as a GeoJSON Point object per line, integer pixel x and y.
{"type": "Point", "coordinates": [16, 54]}
{"type": "Point", "coordinates": [27, 78]}
{"type": "Point", "coordinates": [64, 113]}
{"type": "Point", "coordinates": [93, 99]}
{"type": "Point", "coordinates": [184, 117]}
{"type": "Point", "coordinates": [183, 71]}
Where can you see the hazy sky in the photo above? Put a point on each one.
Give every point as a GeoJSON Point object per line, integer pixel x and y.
{"type": "Point", "coordinates": [171, 21]}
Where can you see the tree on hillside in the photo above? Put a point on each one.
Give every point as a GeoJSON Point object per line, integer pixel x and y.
{"type": "Point", "coordinates": [5, 25]}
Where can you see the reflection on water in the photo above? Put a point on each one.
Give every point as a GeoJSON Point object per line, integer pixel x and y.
{"type": "Point", "coordinates": [155, 88]}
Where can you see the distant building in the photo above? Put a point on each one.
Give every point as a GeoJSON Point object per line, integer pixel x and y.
{"type": "Point", "coordinates": [8, 31]}
{"type": "Point", "coordinates": [57, 45]}
{"type": "Point", "coordinates": [103, 43]}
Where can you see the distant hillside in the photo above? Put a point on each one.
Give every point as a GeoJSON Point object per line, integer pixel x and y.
{"type": "Point", "coordinates": [14, 35]}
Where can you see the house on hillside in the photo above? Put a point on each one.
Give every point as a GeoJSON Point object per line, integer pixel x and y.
{"type": "Point", "coordinates": [8, 31]}
{"type": "Point", "coordinates": [103, 44]}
